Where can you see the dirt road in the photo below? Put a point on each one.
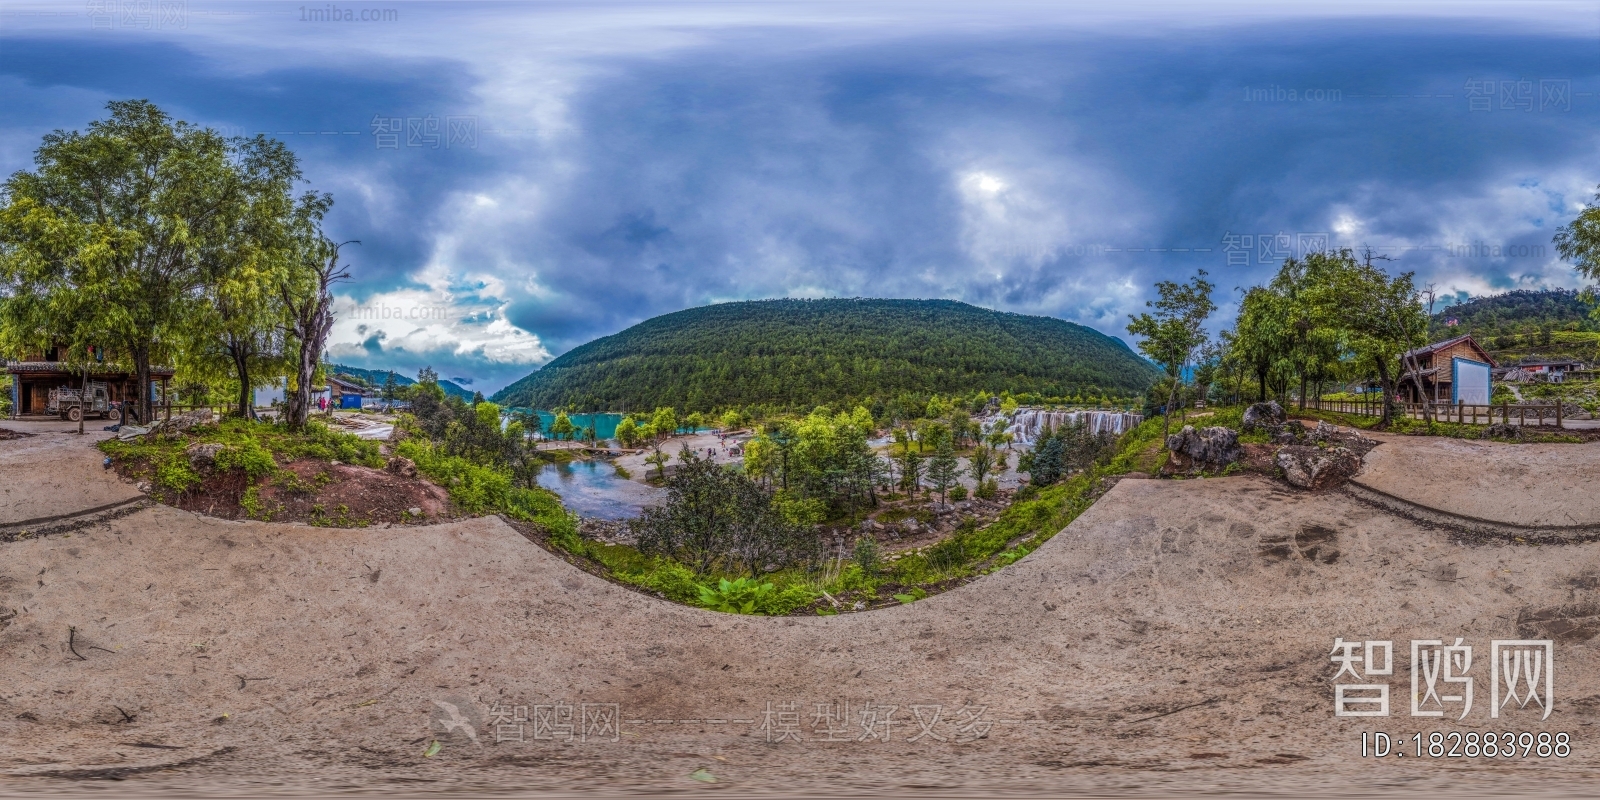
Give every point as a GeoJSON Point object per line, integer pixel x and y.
{"type": "Point", "coordinates": [1176, 637]}
{"type": "Point", "coordinates": [1522, 484]}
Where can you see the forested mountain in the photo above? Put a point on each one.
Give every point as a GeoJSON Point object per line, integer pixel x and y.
{"type": "Point", "coordinates": [1522, 311]}
{"type": "Point", "coordinates": [798, 354]}
{"type": "Point", "coordinates": [375, 378]}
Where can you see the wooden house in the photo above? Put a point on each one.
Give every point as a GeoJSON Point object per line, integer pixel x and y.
{"type": "Point", "coordinates": [1452, 371]}
{"type": "Point", "coordinates": [346, 394]}
{"type": "Point", "coordinates": [33, 378]}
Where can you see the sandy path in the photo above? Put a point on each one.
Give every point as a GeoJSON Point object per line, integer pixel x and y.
{"type": "Point", "coordinates": [1176, 635]}
{"type": "Point", "coordinates": [1521, 484]}
{"type": "Point", "coordinates": [56, 472]}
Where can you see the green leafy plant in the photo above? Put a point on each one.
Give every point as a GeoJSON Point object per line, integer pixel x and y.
{"type": "Point", "coordinates": [740, 596]}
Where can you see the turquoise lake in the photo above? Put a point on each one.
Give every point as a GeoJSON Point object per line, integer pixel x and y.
{"type": "Point", "coordinates": [605, 423]}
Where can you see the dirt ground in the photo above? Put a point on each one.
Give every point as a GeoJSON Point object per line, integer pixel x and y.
{"type": "Point", "coordinates": [55, 472]}
{"type": "Point", "coordinates": [343, 495]}
{"type": "Point", "coordinates": [1521, 484]}
{"type": "Point", "coordinates": [1174, 639]}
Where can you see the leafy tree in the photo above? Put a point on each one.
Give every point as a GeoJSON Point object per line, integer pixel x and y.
{"type": "Point", "coordinates": [1382, 316]}
{"type": "Point", "coordinates": [561, 427]}
{"type": "Point", "coordinates": [1579, 241]}
{"type": "Point", "coordinates": [137, 217]}
{"type": "Point", "coordinates": [391, 390]}
{"type": "Point", "coordinates": [714, 517]}
{"type": "Point", "coordinates": [731, 420]}
{"type": "Point", "coordinates": [911, 471]}
{"type": "Point", "coordinates": [867, 556]}
{"type": "Point", "coordinates": [1171, 335]}
{"type": "Point", "coordinates": [628, 432]}
{"type": "Point", "coordinates": [1047, 464]}
{"type": "Point", "coordinates": [981, 463]}
{"type": "Point", "coordinates": [658, 460]}
{"type": "Point", "coordinates": [665, 421]}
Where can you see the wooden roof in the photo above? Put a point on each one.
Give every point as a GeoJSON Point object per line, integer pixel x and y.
{"type": "Point", "coordinates": [64, 368]}
{"type": "Point", "coordinates": [1437, 346]}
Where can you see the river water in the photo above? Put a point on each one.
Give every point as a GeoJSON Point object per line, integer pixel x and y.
{"type": "Point", "coordinates": [594, 489]}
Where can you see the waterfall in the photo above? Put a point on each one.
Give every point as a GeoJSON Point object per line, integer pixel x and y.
{"type": "Point", "coordinates": [1026, 424]}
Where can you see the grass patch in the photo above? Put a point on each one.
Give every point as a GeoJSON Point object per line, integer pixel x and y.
{"type": "Point", "coordinates": [478, 489]}
{"type": "Point", "coordinates": [253, 448]}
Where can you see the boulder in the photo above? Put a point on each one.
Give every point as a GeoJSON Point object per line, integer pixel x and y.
{"type": "Point", "coordinates": [185, 421]}
{"type": "Point", "coordinates": [1502, 431]}
{"type": "Point", "coordinates": [1262, 416]}
{"type": "Point", "coordinates": [1208, 449]}
{"type": "Point", "coordinates": [402, 466]}
{"type": "Point", "coordinates": [1325, 433]}
{"type": "Point", "coordinates": [1291, 432]}
{"type": "Point", "coordinates": [1311, 467]}
{"type": "Point", "coordinates": [203, 455]}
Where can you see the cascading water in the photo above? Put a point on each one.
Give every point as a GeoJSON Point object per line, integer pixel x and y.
{"type": "Point", "coordinates": [1026, 424]}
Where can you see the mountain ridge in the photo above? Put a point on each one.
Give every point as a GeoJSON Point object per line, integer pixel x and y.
{"type": "Point", "coordinates": [798, 354]}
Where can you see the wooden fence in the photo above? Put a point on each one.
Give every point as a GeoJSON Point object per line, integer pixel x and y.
{"type": "Point", "coordinates": [1468, 413]}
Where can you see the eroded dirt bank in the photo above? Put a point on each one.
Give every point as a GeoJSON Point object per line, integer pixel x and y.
{"type": "Point", "coordinates": [1177, 635]}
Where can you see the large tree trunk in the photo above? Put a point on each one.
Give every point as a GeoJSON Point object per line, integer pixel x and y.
{"type": "Point", "coordinates": [299, 402]}
{"type": "Point", "coordinates": [1302, 390]}
{"type": "Point", "coordinates": [83, 406]}
{"type": "Point", "coordinates": [313, 321]}
{"type": "Point", "coordinates": [141, 376]}
{"type": "Point", "coordinates": [242, 367]}
{"type": "Point", "coordinates": [1172, 397]}
{"type": "Point", "coordinates": [1388, 393]}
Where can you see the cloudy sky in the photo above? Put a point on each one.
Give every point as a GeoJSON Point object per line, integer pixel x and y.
{"type": "Point", "coordinates": [524, 177]}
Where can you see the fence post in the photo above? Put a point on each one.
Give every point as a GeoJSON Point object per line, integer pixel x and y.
{"type": "Point", "coordinates": [1558, 412]}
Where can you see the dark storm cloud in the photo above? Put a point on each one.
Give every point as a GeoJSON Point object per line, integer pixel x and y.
{"type": "Point", "coordinates": [848, 159]}
{"type": "Point", "coordinates": [1043, 170]}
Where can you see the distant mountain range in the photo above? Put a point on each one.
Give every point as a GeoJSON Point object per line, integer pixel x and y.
{"type": "Point", "coordinates": [376, 377]}
{"type": "Point", "coordinates": [799, 354]}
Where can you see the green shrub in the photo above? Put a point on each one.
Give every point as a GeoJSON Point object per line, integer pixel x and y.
{"type": "Point", "coordinates": [670, 579]}
{"type": "Point", "coordinates": [173, 472]}
{"type": "Point", "coordinates": [867, 556]}
{"type": "Point", "coordinates": [250, 457]}
{"type": "Point", "coordinates": [478, 489]}
{"type": "Point", "coordinates": [958, 493]}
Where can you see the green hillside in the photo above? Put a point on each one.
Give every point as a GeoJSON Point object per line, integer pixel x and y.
{"type": "Point", "coordinates": [1523, 324]}
{"type": "Point", "coordinates": [375, 378]}
{"type": "Point", "coordinates": [802, 353]}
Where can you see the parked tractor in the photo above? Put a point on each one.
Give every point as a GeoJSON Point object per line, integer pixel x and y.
{"type": "Point", "coordinates": [71, 404]}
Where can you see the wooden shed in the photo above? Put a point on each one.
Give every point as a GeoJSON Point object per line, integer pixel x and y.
{"type": "Point", "coordinates": [1454, 370]}
{"type": "Point", "coordinates": [32, 381]}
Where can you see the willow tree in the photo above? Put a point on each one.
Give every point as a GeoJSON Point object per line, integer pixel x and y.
{"type": "Point", "coordinates": [138, 215]}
